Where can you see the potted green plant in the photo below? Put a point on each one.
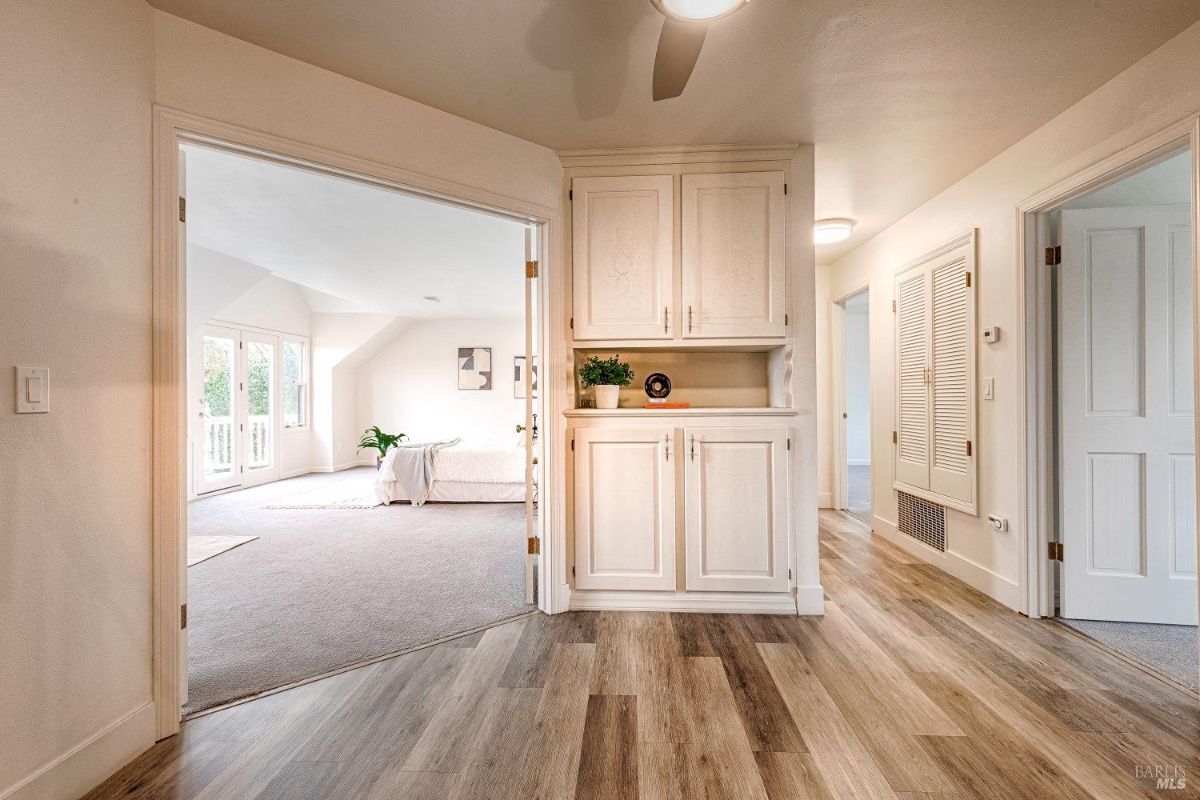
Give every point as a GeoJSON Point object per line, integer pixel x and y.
{"type": "Point", "coordinates": [606, 376]}
{"type": "Point", "coordinates": [375, 439]}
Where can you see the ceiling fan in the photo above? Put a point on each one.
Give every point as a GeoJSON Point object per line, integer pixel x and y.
{"type": "Point", "coordinates": [682, 36]}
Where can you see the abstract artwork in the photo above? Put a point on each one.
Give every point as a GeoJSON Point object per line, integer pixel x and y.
{"type": "Point", "coordinates": [519, 377]}
{"type": "Point", "coordinates": [475, 368]}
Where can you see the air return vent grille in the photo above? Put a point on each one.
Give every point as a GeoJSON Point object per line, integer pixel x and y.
{"type": "Point", "coordinates": [923, 521]}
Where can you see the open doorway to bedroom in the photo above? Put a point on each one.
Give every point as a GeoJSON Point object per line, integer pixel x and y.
{"type": "Point", "coordinates": [1121, 411]}
{"type": "Point", "coordinates": [854, 406]}
{"type": "Point", "coordinates": [362, 406]}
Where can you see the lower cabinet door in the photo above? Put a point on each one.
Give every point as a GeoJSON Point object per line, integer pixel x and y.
{"type": "Point", "coordinates": [625, 508]}
{"type": "Point", "coordinates": [736, 519]}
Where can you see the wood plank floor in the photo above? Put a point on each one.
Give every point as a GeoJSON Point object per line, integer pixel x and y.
{"type": "Point", "coordinates": [912, 686]}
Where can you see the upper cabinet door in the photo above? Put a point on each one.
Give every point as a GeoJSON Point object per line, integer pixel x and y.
{"type": "Point", "coordinates": [623, 257]}
{"type": "Point", "coordinates": [733, 255]}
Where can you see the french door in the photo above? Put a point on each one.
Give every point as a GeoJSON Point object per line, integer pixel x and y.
{"type": "Point", "coordinates": [238, 388]}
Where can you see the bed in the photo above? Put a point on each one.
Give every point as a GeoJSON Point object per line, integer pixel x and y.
{"type": "Point", "coordinates": [465, 472]}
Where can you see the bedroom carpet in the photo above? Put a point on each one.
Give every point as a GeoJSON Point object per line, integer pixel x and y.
{"type": "Point", "coordinates": [322, 589]}
{"type": "Point", "coordinates": [1169, 650]}
{"type": "Point", "coordinates": [202, 548]}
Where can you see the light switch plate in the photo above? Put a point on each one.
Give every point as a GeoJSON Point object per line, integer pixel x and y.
{"type": "Point", "coordinates": [33, 390]}
{"type": "Point", "coordinates": [989, 389]}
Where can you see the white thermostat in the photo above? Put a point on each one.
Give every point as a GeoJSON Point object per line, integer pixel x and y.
{"type": "Point", "coordinates": [991, 335]}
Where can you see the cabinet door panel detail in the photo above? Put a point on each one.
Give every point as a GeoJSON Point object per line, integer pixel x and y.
{"type": "Point", "coordinates": [624, 509]}
{"type": "Point", "coordinates": [736, 509]}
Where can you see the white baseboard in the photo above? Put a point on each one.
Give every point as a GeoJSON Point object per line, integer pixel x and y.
{"type": "Point", "coordinates": [858, 462]}
{"type": "Point", "coordinates": [824, 499]}
{"type": "Point", "coordinates": [705, 602]}
{"type": "Point", "coordinates": [296, 473]}
{"type": "Point", "coordinates": [89, 763]}
{"type": "Point", "coordinates": [347, 465]}
{"type": "Point", "coordinates": [997, 587]}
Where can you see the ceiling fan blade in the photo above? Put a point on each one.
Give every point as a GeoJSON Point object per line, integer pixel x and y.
{"type": "Point", "coordinates": [678, 48]}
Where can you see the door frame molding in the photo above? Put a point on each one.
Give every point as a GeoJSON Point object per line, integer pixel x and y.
{"type": "Point", "coordinates": [1035, 342]}
{"type": "Point", "coordinates": [837, 343]}
{"type": "Point", "coordinates": [169, 363]}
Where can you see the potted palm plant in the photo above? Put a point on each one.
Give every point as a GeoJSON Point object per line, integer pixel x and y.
{"type": "Point", "coordinates": [606, 376]}
{"type": "Point", "coordinates": [375, 439]}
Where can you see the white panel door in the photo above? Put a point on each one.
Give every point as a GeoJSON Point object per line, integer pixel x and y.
{"type": "Point", "coordinates": [1127, 451]}
{"type": "Point", "coordinates": [733, 255]}
{"type": "Point", "coordinates": [912, 378]}
{"type": "Point", "coordinates": [625, 508]}
{"type": "Point", "coordinates": [951, 378]}
{"type": "Point", "coordinates": [736, 520]}
{"type": "Point", "coordinates": [623, 257]}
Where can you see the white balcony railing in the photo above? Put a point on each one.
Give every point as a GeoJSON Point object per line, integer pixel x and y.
{"type": "Point", "coordinates": [219, 446]}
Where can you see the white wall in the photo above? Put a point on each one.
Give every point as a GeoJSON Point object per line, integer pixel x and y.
{"type": "Point", "coordinates": [412, 384]}
{"type": "Point", "coordinates": [1157, 91]}
{"type": "Point", "coordinates": [77, 84]}
{"type": "Point", "coordinates": [824, 389]}
{"type": "Point", "coordinates": [858, 386]}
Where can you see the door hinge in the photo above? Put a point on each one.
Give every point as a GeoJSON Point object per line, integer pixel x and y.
{"type": "Point", "coordinates": [570, 194]}
{"type": "Point", "coordinates": [572, 445]}
{"type": "Point", "coordinates": [789, 573]}
{"type": "Point", "coordinates": [183, 209]}
{"type": "Point", "coordinates": [242, 470]}
{"type": "Point", "coordinates": [1056, 551]}
{"type": "Point", "coordinates": [572, 572]}
{"type": "Point", "coordinates": [968, 280]}
{"type": "Point", "coordinates": [893, 306]}
{"type": "Point", "coordinates": [785, 319]}
{"type": "Point", "coordinates": [895, 438]}
{"type": "Point", "coordinates": [183, 616]}
{"type": "Point", "coordinates": [572, 323]}
{"type": "Point", "coordinates": [789, 443]}
{"type": "Point", "coordinates": [968, 447]}
{"type": "Point", "coordinates": [531, 269]}
{"type": "Point", "coordinates": [785, 188]}
{"type": "Point", "coordinates": [534, 545]}
{"type": "Point", "coordinates": [1053, 256]}
{"type": "Point", "coordinates": [241, 428]}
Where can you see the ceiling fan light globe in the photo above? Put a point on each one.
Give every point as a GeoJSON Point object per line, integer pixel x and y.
{"type": "Point", "coordinates": [831, 231]}
{"type": "Point", "coordinates": [698, 10]}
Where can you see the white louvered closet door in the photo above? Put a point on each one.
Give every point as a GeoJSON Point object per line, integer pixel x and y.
{"type": "Point", "coordinates": [935, 377]}
{"type": "Point", "coordinates": [951, 422]}
{"type": "Point", "coordinates": [912, 379]}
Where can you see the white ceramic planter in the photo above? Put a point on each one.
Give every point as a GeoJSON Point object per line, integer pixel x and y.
{"type": "Point", "coordinates": [606, 396]}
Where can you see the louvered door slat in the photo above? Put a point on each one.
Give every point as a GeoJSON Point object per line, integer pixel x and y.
{"type": "Point", "coordinates": [912, 402]}
{"type": "Point", "coordinates": [949, 311]}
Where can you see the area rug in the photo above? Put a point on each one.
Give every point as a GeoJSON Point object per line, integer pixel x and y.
{"type": "Point", "coordinates": [202, 548]}
{"type": "Point", "coordinates": [325, 588]}
{"type": "Point", "coordinates": [1169, 650]}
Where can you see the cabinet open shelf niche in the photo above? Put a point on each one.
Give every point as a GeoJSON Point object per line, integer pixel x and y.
{"type": "Point", "coordinates": [709, 380]}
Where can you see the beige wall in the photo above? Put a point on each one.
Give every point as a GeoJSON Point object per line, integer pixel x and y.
{"type": "Point", "coordinates": [1159, 90]}
{"type": "Point", "coordinates": [77, 82]}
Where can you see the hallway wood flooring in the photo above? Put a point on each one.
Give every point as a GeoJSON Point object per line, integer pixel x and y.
{"type": "Point", "coordinates": [912, 686]}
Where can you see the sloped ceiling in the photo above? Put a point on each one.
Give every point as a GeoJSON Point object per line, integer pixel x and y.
{"type": "Point", "coordinates": [901, 97]}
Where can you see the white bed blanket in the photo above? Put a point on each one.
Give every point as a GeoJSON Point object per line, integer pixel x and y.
{"type": "Point", "coordinates": [479, 462]}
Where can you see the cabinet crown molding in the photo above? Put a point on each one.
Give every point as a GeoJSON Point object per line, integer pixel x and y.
{"type": "Point", "coordinates": [699, 154]}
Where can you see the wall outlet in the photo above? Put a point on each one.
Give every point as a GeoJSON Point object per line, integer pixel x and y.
{"type": "Point", "coordinates": [998, 523]}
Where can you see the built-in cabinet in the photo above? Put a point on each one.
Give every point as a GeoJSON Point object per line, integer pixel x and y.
{"type": "Point", "coordinates": [725, 487]}
{"type": "Point", "coordinates": [679, 263]}
{"type": "Point", "coordinates": [729, 234]}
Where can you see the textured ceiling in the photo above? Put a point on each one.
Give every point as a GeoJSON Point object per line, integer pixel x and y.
{"type": "Point", "coordinates": [901, 97]}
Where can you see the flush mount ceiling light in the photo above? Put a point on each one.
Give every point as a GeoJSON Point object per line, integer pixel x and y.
{"type": "Point", "coordinates": [682, 36]}
{"type": "Point", "coordinates": [829, 231]}
{"type": "Point", "coordinates": [698, 10]}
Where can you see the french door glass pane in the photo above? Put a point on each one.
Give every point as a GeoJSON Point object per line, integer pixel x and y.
{"type": "Point", "coordinates": [219, 378]}
{"type": "Point", "coordinates": [293, 380]}
{"type": "Point", "coordinates": [260, 366]}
